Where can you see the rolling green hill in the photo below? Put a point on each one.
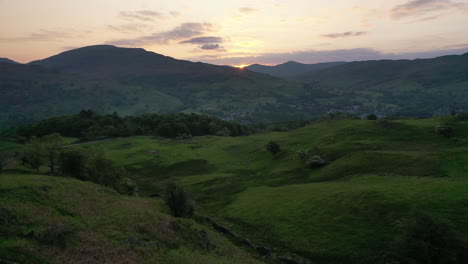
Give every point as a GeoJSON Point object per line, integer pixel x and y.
{"type": "Point", "coordinates": [58, 220]}
{"type": "Point", "coordinates": [392, 191]}
{"type": "Point", "coordinates": [383, 180]}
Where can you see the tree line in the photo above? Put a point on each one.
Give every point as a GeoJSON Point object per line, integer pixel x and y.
{"type": "Point", "coordinates": [91, 125]}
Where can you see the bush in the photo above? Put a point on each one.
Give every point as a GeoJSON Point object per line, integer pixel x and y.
{"type": "Point", "coordinates": [372, 117]}
{"type": "Point", "coordinates": [315, 162]}
{"type": "Point", "coordinates": [428, 241]}
{"type": "Point", "coordinates": [273, 147]}
{"type": "Point", "coordinates": [445, 130]}
{"type": "Point", "coordinates": [178, 201]}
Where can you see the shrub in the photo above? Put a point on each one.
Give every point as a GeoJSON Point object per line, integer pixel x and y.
{"type": "Point", "coordinates": [372, 117]}
{"type": "Point", "coordinates": [445, 130]}
{"type": "Point", "coordinates": [428, 241]}
{"type": "Point", "coordinates": [178, 201]}
{"type": "Point", "coordinates": [273, 147]}
{"type": "Point", "coordinates": [315, 162]}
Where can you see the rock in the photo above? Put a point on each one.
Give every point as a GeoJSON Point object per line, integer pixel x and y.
{"type": "Point", "coordinates": [315, 162]}
{"type": "Point", "coordinates": [248, 243]}
{"type": "Point", "coordinates": [264, 251]}
{"type": "Point", "coordinates": [287, 260]}
{"type": "Point", "coordinates": [224, 230]}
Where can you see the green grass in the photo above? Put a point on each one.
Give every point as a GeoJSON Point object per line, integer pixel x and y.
{"type": "Point", "coordinates": [381, 176]}
{"type": "Point", "coordinates": [59, 220]}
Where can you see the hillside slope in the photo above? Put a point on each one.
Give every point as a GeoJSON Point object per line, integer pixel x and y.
{"type": "Point", "coordinates": [383, 180]}
{"type": "Point", "coordinates": [6, 60]}
{"type": "Point", "coordinates": [59, 220]}
{"type": "Point", "coordinates": [291, 68]}
{"type": "Point", "coordinates": [412, 87]}
{"type": "Point", "coordinates": [132, 81]}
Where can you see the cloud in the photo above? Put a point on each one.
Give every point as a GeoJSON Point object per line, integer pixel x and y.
{"type": "Point", "coordinates": [344, 34]}
{"type": "Point", "coordinates": [210, 47]}
{"type": "Point", "coordinates": [142, 15]}
{"type": "Point", "coordinates": [175, 13]}
{"type": "Point", "coordinates": [247, 10]}
{"type": "Point", "coordinates": [429, 18]}
{"type": "Point", "coordinates": [203, 40]}
{"type": "Point", "coordinates": [130, 28]}
{"type": "Point", "coordinates": [416, 8]}
{"type": "Point", "coordinates": [184, 31]}
{"type": "Point", "coordinates": [360, 54]}
{"type": "Point", "coordinates": [50, 35]}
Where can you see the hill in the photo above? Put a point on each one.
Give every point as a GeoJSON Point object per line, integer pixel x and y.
{"type": "Point", "coordinates": [388, 191]}
{"type": "Point", "coordinates": [424, 85]}
{"type": "Point", "coordinates": [132, 81]}
{"type": "Point", "coordinates": [388, 186]}
{"type": "Point", "coordinates": [290, 68]}
{"type": "Point", "coordinates": [48, 219]}
{"type": "Point", "coordinates": [108, 79]}
{"type": "Point", "coordinates": [6, 60]}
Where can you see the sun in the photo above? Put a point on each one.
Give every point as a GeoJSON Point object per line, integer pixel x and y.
{"type": "Point", "coordinates": [242, 66]}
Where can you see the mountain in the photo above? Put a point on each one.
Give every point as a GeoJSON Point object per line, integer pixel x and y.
{"type": "Point", "coordinates": [105, 61]}
{"type": "Point", "coordinates": [290, 68]}
{"type": "Point", "coordinates": [416, 86]}
{"type": "Point", "coordinates": [6, 60]}
{"type": "Point", "coordinates": [135, 81]}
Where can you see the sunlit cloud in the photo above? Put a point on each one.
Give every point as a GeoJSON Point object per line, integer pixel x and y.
{"type": "Point", "coordinates": [204, 40]}
{"type": "Point", "coordinates": [247, 10]}
{"type": "Point", "coordinates": [130, 28]}
{"type": "Point", "coordinates": [183, 31]}
{"type": "Point", "coordinates": [51, 35]}
{"type": "Point", "coordinates": [142, 15]}
{"type": "Point", "coordinates": [318, 56]}
{"type": "Point", "coordinates": [417, 8]}
{"type": "Point", "coordinates": [344, 34]}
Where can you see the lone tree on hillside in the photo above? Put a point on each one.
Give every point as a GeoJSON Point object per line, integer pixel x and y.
{"type": "Point", "coordinates": [178, 201]}
{"type": "Point", "coordinates": [273, 147]}
{"type": "Point", "coordinates": [372, 117]}
{"type": "Point", "coordinates": [52, 146]}
{"type": "Point", "coordinates": [34, 154]}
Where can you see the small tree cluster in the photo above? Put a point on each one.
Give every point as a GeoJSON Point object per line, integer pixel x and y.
{"type": "Point", "coordinates": [93, 166]}
{"type": "Point", "coordinates": [178, 201]}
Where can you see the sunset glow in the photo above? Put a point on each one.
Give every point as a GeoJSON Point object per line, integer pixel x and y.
{"type": "Point", "coordinates": [238, 32]}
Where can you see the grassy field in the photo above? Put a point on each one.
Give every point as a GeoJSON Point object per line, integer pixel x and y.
{"type": "Point", "coordinates": [381, 176]}
{"type": "Point", "coordinates": [383, 179]}
{"type": "Point", "coordinates": [59, 220]}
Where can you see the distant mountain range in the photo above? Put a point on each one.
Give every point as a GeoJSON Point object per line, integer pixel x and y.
{"type": "Point", "coordinates": [7, 61]}
{"type": "Point", "coordinates": [135, 81]}
{"type": "Point", "coordinates": [291, 68]}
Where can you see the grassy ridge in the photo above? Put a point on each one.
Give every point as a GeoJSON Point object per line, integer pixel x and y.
{"type": "Point", "coordinates": [381, 177]}
{"type": "Point", "coordinates": [59, 220]}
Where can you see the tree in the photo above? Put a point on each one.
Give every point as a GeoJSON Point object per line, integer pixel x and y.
{"type": "Point", "coordinates": [73, 163]}
{"type": "Point", "coordinates": [178, 201]}
{"type": "Point", "coordinates": [273, 147]}
{"type": "Point", "coordinates": [53, 145]}
{"type": "Point", "coordinates": [372, 117]}
{"type": "Point", "coordinates": [34, 154]}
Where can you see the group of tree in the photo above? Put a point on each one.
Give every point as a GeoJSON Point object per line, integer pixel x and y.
{"type": "Point", "coordinates": [83, 164]}
{"type": "Point", "coordinates": [90, 125]}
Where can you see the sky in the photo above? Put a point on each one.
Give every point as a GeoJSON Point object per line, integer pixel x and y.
{"type": "Point", "coordinates": [238, 32]}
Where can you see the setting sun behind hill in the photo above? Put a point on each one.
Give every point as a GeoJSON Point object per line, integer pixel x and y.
{"type": "Point", "coordinates": [242, 66]}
